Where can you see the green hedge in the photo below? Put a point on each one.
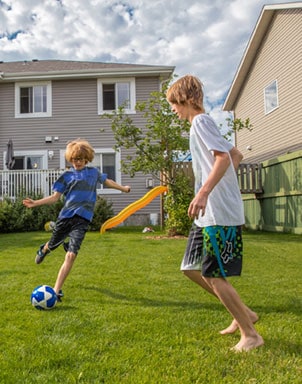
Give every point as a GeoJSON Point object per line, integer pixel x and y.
{"type": "Point", "coordinates": [14, 217]}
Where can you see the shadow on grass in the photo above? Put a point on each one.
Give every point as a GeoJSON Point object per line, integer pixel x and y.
{"type": "Point", "coordinates": [157, 303]}
{"type": "Point", "coordinates": [285, 347]}
{"type": "Point", "coordinates": [292, 306]}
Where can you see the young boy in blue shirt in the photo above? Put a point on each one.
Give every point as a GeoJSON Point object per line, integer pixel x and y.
{"type": "Point", "coordinates": [78, 186]}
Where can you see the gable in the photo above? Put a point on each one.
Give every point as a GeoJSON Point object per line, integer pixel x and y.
{"type": "Point", "coordinates": [256, 40]}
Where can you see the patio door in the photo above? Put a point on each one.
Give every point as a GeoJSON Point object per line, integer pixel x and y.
{"type": "Point", "coordinates": [28, 174]}
{"type": "Point", "coordinates": [28, 162]}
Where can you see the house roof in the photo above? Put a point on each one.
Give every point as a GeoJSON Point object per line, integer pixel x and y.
{"type": "Point", "coordinates": [50, 69]}
{"type": "Point", "coordinates": [254, 43]}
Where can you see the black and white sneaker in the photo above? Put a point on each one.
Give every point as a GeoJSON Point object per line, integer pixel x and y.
{"type": "Point", "coordinates": [40, 255]}
{"type": "Point", "coordinates": [60, 295]}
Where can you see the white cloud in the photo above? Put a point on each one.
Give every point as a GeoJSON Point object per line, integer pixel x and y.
{"type": "Point", "coordinates": [204, 38]}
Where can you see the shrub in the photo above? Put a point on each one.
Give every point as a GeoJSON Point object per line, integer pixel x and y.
{"type": "Point", "coordinates": [102, 211]}
{"type": "Point", "coordinates": [14, 217]}
{"type": "Point", "coordinates": [176, 206]}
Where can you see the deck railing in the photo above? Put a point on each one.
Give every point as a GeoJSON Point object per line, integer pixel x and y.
{"type": "Point", "coordinates": [250, 178]}
{"type": "Point", "coordinates": [27, 182]}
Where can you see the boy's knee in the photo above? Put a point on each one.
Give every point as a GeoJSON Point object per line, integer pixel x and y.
{"type": "Point", "coordinates": [71, 256]}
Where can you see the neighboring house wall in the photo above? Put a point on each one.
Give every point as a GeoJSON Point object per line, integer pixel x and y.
{"type": "Point", "coordinates": [74, 114]}
{"type": "Point", "coordinates": [278, 58]}
{"type": "Point", "coordinates": [273, 55]}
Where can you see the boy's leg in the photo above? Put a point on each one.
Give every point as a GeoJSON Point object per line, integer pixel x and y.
{"type": "Point", "coordinates": [230, 299]}
{"type": "Point", "coordinates": [198, 279]}
{"type": "Point", "coordinates": [64, 270]}
{"type": "Point", "coordinates": [79, 227]}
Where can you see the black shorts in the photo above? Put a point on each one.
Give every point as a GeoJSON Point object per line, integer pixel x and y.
{"type": "Point", "coordinates": [75, 228]}
{"type": "Point", "coordinates": [215, 251]}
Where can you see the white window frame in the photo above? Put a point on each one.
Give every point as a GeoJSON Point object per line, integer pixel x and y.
{"type": "Point", "coordinates": [20, 85]}
{"type": "Point", "coordinates": [130, 80]}
{"type": "Point", "coordinates": [271, 100]}
{"type": "Point", "coordinates": [35, 153]}
{"type": "Point", "coordinates": [98, 151]}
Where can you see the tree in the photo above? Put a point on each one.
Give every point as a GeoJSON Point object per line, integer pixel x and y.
{"type": "Point", "coordinates": [156, 147]}
{"type": "Point", "coordinates": [236, 125]}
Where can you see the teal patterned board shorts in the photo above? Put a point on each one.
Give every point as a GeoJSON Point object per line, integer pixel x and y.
{"type": "Point", "coordinates": [216, 251]}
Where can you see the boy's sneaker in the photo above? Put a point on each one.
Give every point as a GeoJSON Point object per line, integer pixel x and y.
{"type": "Point", "coordinates": [60, 295]}
{"type": "Point", "coordinates": [40, 255]}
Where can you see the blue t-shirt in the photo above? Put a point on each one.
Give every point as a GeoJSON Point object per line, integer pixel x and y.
{"type": "Point", "coordinates": [79, 190]}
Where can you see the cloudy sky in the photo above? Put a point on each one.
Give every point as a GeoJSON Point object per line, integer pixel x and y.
{"type": "Point", "coordinates": [206, 38]}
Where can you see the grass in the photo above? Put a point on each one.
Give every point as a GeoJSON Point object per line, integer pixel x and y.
{"type": "Point", "coordinates": [129, 316]}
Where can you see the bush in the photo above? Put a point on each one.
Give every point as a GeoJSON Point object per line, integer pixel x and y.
{"type": "Point", "coordinates": [14, 217]}
{"type": "Point", "coordinates": [102, 211]}
{"type": "Point", "coordinates": [176, 206]}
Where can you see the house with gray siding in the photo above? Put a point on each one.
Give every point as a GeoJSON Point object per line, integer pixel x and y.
{"type": "Point", "coordinates": [46, 103]}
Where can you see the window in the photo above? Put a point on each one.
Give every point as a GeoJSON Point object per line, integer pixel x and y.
{"type": "Point", "coordinates": [107, 161]}
{"type": "Point", "coordinates": [271, 97]}
{"type": "Point", "coordinates": [33, 99]}
{"type": "Point", "coordinates": [115, 93]}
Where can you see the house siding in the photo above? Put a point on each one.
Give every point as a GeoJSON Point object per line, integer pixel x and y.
{"type": "Point", "coordinates": [74, 114]}
{"type": "Point", "coordinates": [278, 58]}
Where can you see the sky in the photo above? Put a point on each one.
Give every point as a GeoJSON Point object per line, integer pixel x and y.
{"type": "Point", "coordinates": [206, 38]}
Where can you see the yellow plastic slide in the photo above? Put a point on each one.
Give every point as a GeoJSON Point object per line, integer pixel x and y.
{"type": "Point", "coordinates": [133, 207]}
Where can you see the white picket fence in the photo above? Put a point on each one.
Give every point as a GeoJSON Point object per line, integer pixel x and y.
{"type": "Point", "coordinates": [27, 182]}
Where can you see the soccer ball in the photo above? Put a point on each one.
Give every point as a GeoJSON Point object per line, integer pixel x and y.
{"type": "Point", "coordinates": [43, 297]}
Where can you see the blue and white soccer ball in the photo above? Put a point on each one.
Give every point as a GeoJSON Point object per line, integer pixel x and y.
{"type": "Point", "coordinates": [43, 297]}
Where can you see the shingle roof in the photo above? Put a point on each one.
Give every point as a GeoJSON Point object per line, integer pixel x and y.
{"type": "Point", "coordinates": [45, 68]}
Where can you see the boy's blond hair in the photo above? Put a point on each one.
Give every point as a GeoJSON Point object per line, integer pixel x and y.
{"type": "Point", "coordinates": [187, 90]}
{"type": "Point", "coordinates": [79, 148]}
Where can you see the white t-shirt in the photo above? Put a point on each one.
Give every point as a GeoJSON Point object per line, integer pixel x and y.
{"type": "Point", "coordinates": [224, 205]}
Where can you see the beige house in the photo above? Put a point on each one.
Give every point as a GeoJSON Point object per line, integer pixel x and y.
{"type": "Point", "coordinates": [46, 103]}
{"type": "Point", "coordinates": [267, 87]}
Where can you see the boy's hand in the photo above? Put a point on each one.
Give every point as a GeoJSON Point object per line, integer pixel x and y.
{"type": "Point", "coordinates": [29, 203]}
{"type": "Point", "coordinates": [127, 189]}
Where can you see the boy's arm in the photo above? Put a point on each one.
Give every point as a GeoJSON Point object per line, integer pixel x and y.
{"type": "Point", "coordinates": [112, 184]}
{"type": "Point", "coordinates": [236, 157]}
{"type": "Point", "coordinates": [30, 203]}
{"type": "Point", "coordinates": [221, 164]}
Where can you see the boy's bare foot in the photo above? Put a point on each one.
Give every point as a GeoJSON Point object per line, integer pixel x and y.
{"type": "Point", "coordinates": [232, 328]}
{"type": "Point", "coordinates": [248, 343]}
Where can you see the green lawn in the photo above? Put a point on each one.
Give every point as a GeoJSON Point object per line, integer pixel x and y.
{"type": "Point", "coordinates": [129, 316]}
